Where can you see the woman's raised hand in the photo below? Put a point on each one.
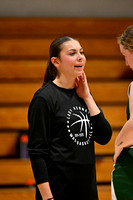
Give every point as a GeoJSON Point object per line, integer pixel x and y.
{"type": "Point", "coordinates": [81, 86]}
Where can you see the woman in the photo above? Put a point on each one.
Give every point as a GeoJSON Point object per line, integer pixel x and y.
{"type": "Point", "coordinates": [64, 122]}
{"type": "Point", "coordinates": [122, 177]}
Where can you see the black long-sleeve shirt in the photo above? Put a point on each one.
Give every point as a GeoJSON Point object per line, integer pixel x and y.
{"type": "Point", "coordinates": [61, 142]}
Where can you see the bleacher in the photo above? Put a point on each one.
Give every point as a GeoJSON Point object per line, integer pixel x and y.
{"type": "Point", "coordinates": [24, 44]}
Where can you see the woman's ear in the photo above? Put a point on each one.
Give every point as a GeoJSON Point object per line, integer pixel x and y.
{"type": "Point", "coordinates": [55, 61]}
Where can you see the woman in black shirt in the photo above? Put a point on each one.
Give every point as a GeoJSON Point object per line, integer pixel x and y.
{"type": "Point", "coordinates": [64, 122]}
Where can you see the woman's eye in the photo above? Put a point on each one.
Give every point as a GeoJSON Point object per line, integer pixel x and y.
{"type": "Point", "coordinates": [72, 53]}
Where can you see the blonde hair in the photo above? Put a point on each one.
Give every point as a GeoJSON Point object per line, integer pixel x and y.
{"type": "Point", "coordinates": [126, 39]}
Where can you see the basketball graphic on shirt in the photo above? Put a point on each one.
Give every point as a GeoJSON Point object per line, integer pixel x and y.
{"type": "Point", "coordinates": [79, 126]}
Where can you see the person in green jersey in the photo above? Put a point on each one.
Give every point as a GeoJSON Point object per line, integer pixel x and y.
{"type": "Point", "coordinates": [122, 175]}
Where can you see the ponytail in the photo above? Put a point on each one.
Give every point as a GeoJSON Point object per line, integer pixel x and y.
{"type": "Point", "coordinates": [50, 73]}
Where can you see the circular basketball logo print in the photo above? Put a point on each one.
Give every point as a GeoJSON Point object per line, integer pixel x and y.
{"type": "Point", "coordinates": [79, 126]}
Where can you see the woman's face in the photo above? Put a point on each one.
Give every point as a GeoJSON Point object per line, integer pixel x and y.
{"type": "Point", "coordinates": [72, 59]}
{"type": "Point", "coordinates": [128, 56]}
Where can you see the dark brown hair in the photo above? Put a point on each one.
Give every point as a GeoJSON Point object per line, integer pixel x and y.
{"type": "Point", "coordinates": [54, 51]}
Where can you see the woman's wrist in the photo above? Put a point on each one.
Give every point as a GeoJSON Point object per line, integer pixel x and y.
{"type": "Point", "coordinates": [88, 97]}
{"type": "Point", "coordinates": [92, 106]}
{"type": "Point", "coordinates": [50, 198]}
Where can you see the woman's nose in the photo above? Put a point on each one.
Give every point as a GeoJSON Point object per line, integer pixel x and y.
{"type": "Point", "coordinates": [79, 56]}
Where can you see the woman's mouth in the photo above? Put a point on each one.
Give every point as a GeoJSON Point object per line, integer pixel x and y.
{"type": "Point", "coordinates": [78, 66]}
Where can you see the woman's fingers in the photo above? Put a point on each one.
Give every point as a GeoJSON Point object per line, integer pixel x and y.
{"type": "Point", "coordinates": [117, 153]}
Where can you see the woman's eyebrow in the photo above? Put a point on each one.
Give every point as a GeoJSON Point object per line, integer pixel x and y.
{"type": "Point", "coordinates": [74, 49]}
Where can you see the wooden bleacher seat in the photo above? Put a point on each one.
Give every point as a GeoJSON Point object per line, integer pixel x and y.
{"type": "Point", "coordinates": [29, 193]}
{"type": "Point", "coordinates": [15, 117]}
{"type": "Point", "coordinates": [35, 48]}
{"type": "Point", "coordinates": [15, 172]}
{"type": "Point", "coordinates": [18, 171]}
{"type": "Point", "coordinates": [9, 145]}
{"type": "Point", "coordinates": [18, 70]}
{"type": "Point", "coordinates": [21, 193]}
{"type": "Point", "coordinates": [23, 58]}
{"type": "Point", "coordinates": [41, 27]}
{"type": "Point", "coordinates": [104, 192]}
{"type": "Point", "coordinates": [22, 93]}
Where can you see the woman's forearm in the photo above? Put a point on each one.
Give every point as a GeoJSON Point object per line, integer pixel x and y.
{"type": "Point", "coordinates": [45, 190]}
{"type": "Point", "coordinates": [125, 137]}
{"type": "Point", "coordinates": [91, 105]}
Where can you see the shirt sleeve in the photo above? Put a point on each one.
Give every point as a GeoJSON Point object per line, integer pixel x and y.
{"type": "Point", "coordinates": [101, 128]}
{"type": "Point", "coordinates": [39, 118]}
